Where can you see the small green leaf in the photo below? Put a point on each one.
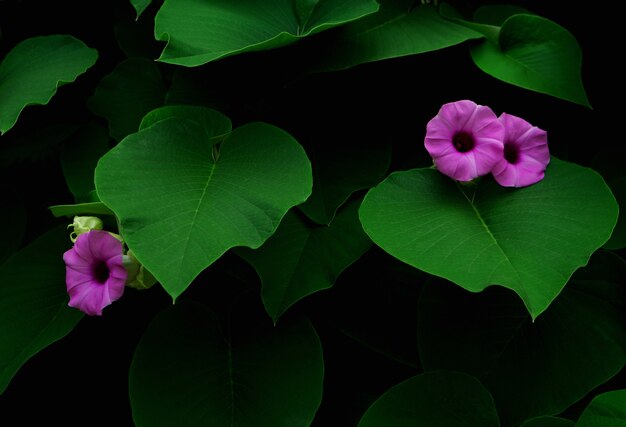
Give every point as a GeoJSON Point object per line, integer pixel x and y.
{"type": "Point", "coordinates": [89, 208]}
{"type": "Point", "coordinates": [215, 124]}
{"type": "Point", "coordinates": [340, 170]}
{"type": "Point", "coordinates": [523, 363]}
{"type": "Point", "coordinates": [123, 97]}
{"type": "Point", "coordinates": [33, 302]}
{"type": "Point", "coordinates": [537, 54]}
{"type": "Point", "coordinates": [187, 371]}
{"type": "Point", "coordinates": [548, 422]}
{"type": "Point", "coordinates": [200, 32]}
{"type": "Point", "coordinates": [434, 399]}
{"type": "Point", "coordinates": [300, 259]}
{"type": "Point", "coordinates": [34, 69]}
{"type": "Point", "coordinates": [398, 29]}
{"type": "Point", "coordinates": [189, 203]}
{"type": "Point", "coordinates": [79, 157]}
{"type": "Point", "coordinates": [605, 410]}
{"type": "Point", "coordinates": [529, 240]}
{"type": "Point", "coordinates": [140, 6]}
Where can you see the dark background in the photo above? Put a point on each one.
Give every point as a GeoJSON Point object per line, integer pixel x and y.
{"type": "Point", "coordinates": [82, 379]}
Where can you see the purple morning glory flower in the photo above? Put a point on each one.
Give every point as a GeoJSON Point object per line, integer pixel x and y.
{"type": "Point", "coordinates": [94, 274]}
{"type": "Point", "coordinates": [526, 153]}
{"type": "Point", "coordinates": [465, 140]}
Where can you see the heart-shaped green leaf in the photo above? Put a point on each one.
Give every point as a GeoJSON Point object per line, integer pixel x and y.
{"type": "Point", "coordinates": [215, 124]}
{"type": "Point", "coordinates": [186, 371]}
{"type": "Point", "coordinates": [79, 157]}
{"type": "Point", "coordinates": [434, 399]}
{"type": "Point", "coordinates": [548, 422]}
{"type": "Point", "coordinates": [537, 54]}
{"type": "Point", "coordinates": [523, 363]}
{"type": "Point", "coordinates": [34, 69]}
{"type": "Point", "coordinates": [33, 302]}
{"type": "Point", "coordinates": [398, 29]}
{"type": "Point", "coordinates": [187, 203]}
{"type": "Point", "coordinates": [200, 32]}
{"type": "Point", "coordinates": [123, 97]}
{"type": "Point", "coordinates": [300, 259]}
{"type": "Point", "coordinates": [340, 170]}
{"type": "Point", "coordinates": [529, 240]}
{"type": "Point", "coordinates": [605, 410]}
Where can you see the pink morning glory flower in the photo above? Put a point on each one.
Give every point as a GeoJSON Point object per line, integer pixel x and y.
{"type": "Point", "coordinates": [465, 140]}
{"type": "Point", "coordinates": [526, 153]}
{"type": "Point", "coordinates": [94, 274]}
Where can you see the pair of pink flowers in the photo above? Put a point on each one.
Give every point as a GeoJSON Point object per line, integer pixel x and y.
{"type": "Point", "coordinates": [467, 140]}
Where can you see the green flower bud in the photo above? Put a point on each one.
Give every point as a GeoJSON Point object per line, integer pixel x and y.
{"type": "Point", "coordinates": [84, 224]}
{"type": "Point", "coordinates": [138, 276]}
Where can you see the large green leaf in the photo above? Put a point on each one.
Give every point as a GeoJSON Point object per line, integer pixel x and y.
{"type": "Point", "coordinates": [340, 170]}
{"type": "Point", "coordinates": [33, 302]}
{"type": "Point", "coordinates": [529, 240]}
{"type": "Point", "coordinates": [198, 32]}
{"type": "Point", "coordinates": [548, 422]}
{"type": "Point", "coordinates": [79, 157]}
{"type": "Point", "coordinates": [605, 410]}
{"type": "Point", "coordinates": [34, 69]}
{"type": "Point", "coordinates": [123, 97]}
{"type": "Point", "coordinates": [434, 399]}
{"type": "Point", "coordinates": [188, 204]}
{"type": "Point", "coordinates": [528, 366]}
{"type": "Point", "coordinates": [398, 29]}
{"type": "Point", "coordinates": [187, 372]}
{"type": "Point", "coordinates": [300, 258]}
{"type": "Point", "coordinates": [534, 53]}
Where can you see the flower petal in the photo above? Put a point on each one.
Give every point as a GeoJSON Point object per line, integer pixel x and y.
{"type": "Point", "coordinates": [475, 121]}
{"type": "Point", "coordinates": [533, 155]}
{"type": "Point", "coordinates": [86, 292]}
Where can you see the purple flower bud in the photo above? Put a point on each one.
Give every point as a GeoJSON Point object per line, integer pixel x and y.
{"type": "Point", "coordinates": [526, 153]}
{"type": "Point", "coordinates": [465, 140]}
{"type": "Point", "coordinates": [94, 274]}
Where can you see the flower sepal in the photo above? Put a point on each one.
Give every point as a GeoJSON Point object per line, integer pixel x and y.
{"type": "Point", "coordinates": [138, 277]}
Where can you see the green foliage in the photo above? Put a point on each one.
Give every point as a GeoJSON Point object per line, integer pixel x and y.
{"type": "Point", "coordinates": [434, 399]}
{"type": "Point", "coordinates": [265, 162]}
{"type": "Point", "coordinates": [180, 219]}
{"type": "Point", "coordinates": [35, 68]}
{"type": "Point", "coordinates": [522, 362]}
{"type": "Point", "coordinates": [188, 370]}
{"type": "Point", "coordinates": [484, 234]}
{"type": "Point", "coordinates": [605, 410]}
{"type": "Point", "coordinates": [300, 259]}
{"type": "Point", "coordinates": [33, 281]}
{"type": "Point", "coordinates": [198, 32]}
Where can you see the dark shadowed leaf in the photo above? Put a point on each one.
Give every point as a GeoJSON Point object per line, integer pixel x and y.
{"type": "Point", "coordinates": [434, 399]}
{"type": "Point", "coordinates": [188, 371]}
{"type": "Point", "coordinates": [33, 302]}
{"type": "Point", "coordinates": [605, 410]}
{"type": "Point", "coordinates": [302, 258]}
{"type": "Point", "coordinates": [528, 366]}
{"type": "Point", "coordinates": [123, 97]}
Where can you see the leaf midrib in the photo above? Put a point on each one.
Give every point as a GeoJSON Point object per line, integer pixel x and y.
{"type": "Point", "coordinates": [495, 241]}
